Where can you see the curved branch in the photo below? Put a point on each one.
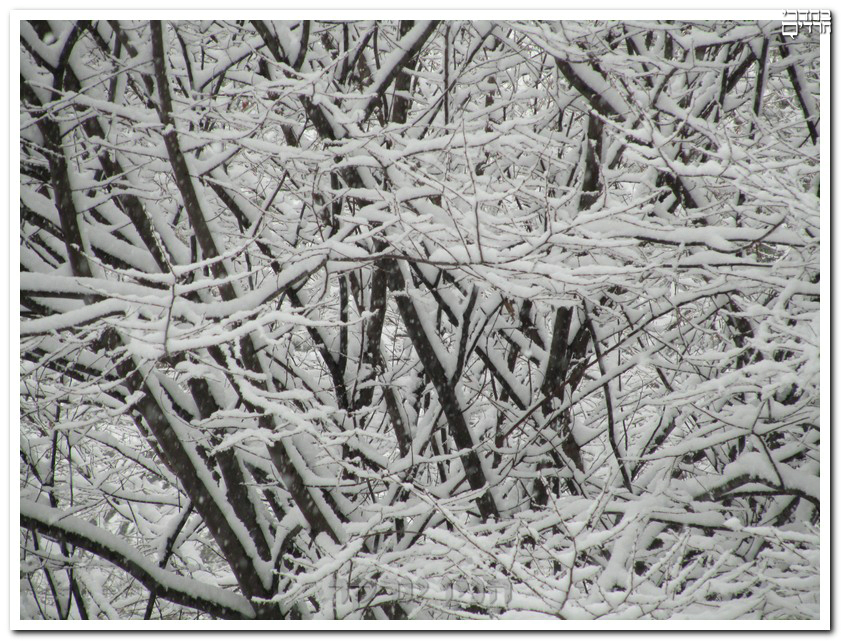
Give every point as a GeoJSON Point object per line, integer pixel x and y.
{"type": "Point", "coordinates": [178, 589]}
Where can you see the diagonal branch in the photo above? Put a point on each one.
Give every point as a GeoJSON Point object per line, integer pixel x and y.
{"type": "Point", "coordinates": [608, 402]}
{"type": "Point", "coordinates": [446, 395]}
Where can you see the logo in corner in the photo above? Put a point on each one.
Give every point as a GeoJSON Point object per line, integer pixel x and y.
{"type": "Point", "coordinates": [794, 21]}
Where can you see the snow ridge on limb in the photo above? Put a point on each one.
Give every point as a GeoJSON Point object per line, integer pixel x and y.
{"type": "Point", "coordinates": [179, 589]}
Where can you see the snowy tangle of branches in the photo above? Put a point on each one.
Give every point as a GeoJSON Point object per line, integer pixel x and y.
{"type": "Point", "coordinates": [418, 320]}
